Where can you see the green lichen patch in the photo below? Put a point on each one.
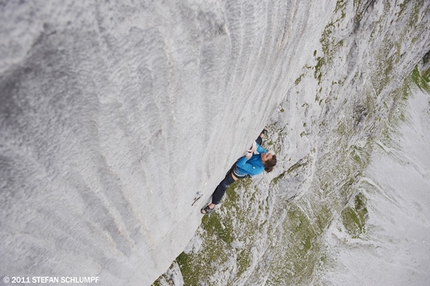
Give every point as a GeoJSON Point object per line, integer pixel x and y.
{"type": "Point", "coordinates": [421, 79]}
{"type": "Point", "coordinates": [354, 217]}
{"type": "Point", "coordinates": [299, 79]}
{"type": "Point", "coordinates": [318, 68]}
{"type": "Point", "coordinates": [220, 229]}
{"type": "Point", "coordinates": [243, 261]}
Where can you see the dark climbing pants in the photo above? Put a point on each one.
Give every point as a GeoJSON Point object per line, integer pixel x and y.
{"type": "Point", "coordinates": [221, 188]}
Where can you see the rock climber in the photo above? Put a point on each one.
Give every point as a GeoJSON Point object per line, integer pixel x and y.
{"type": "Point", "coordinates": [253, 163]}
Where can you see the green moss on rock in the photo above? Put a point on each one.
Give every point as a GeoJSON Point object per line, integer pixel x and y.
{"type": "Point", "coordinates": [354, 217]}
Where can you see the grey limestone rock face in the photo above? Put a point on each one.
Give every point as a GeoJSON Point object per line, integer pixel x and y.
{"type": "Point", "coordinates": [114, 114]}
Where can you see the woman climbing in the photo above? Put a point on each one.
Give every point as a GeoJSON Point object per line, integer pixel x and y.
{"type": "Point", "coordinates": [253, 163]}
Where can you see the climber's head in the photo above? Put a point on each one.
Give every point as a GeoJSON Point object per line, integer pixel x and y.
{"type": "Point", "coordinates": [269, 161]}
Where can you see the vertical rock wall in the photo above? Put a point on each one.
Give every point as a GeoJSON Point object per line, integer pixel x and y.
{"type": "Point", "coordinates": [114, 114]}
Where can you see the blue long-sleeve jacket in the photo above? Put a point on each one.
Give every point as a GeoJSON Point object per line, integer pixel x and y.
{"type": "Point", "coordinates": [252, 166]}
